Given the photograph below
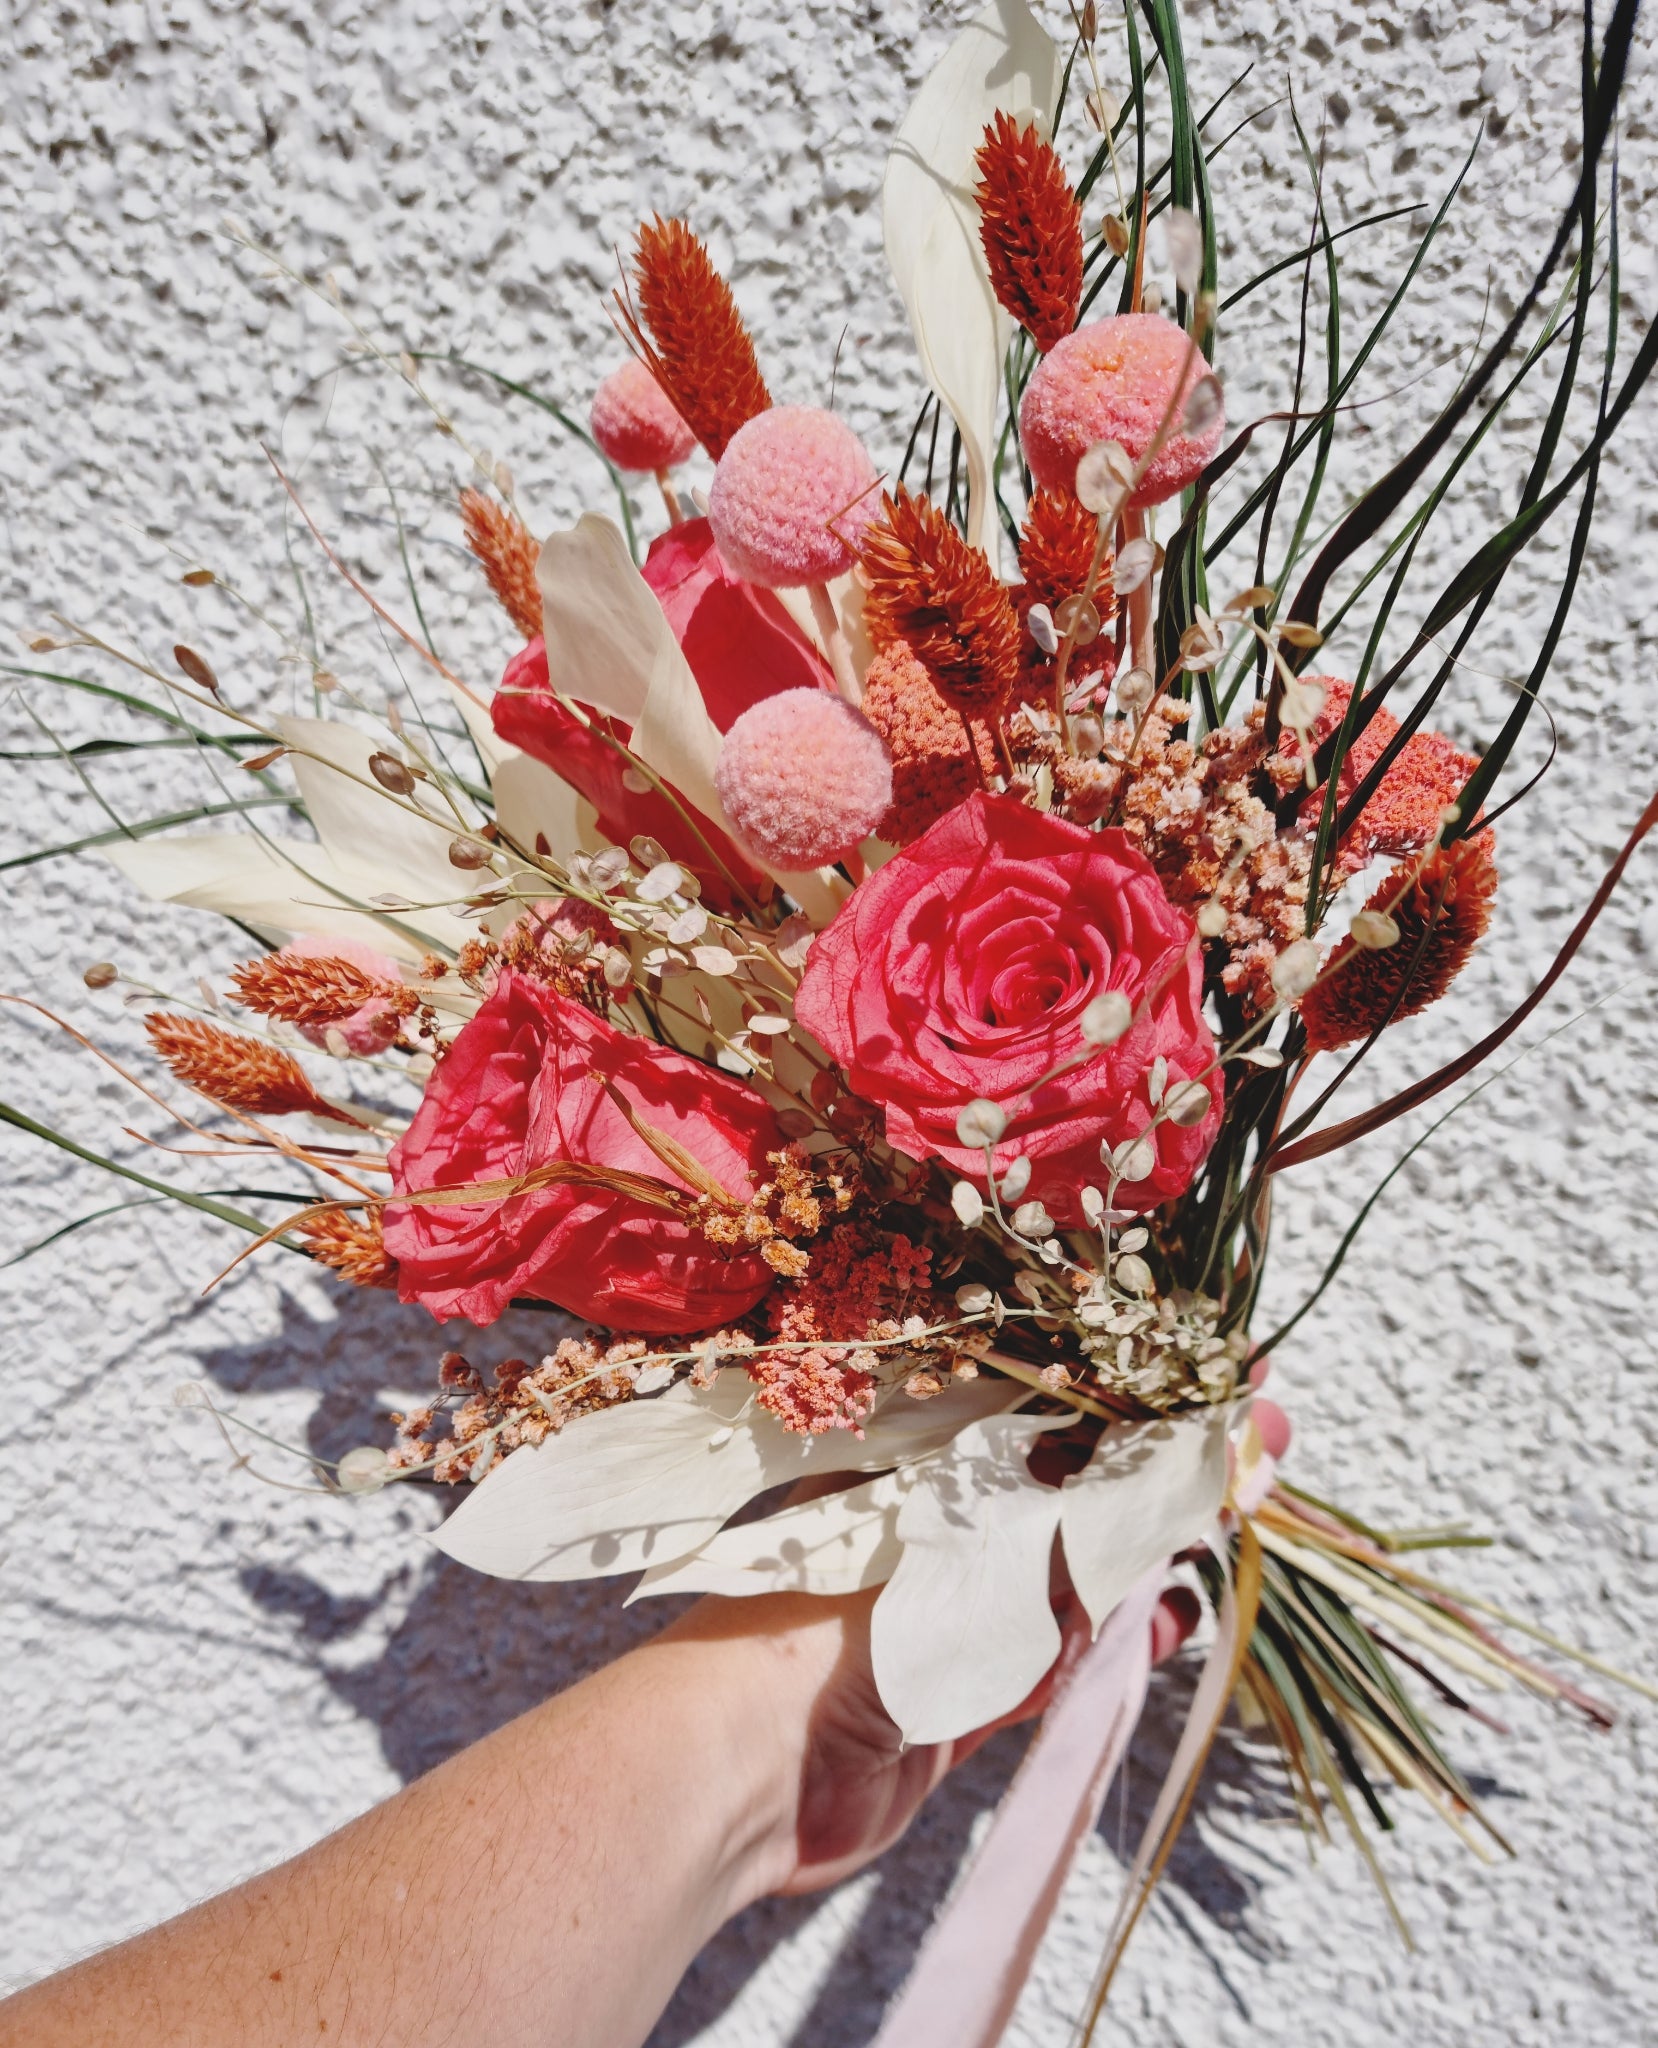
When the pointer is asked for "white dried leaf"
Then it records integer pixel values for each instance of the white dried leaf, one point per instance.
(839, 1543)
(1295, 970)
(980, 1123)
(1040, 623)
(973, 1300)
(1205, 404)
(1105, 473)
(1149, 1490)
(1002, 61)
(965, 1627)
(663, 881)
(968, 1204)
(1106, 1018)
(1374, 930)
(1015, 1181)
(1132, 1274)
(1031, 1219)
(1187, 1103)
(769, 1027)
(715, 960)
(1134, 1159)
(1158, 1081)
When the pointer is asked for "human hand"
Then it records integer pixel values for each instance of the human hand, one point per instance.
(844, 1785)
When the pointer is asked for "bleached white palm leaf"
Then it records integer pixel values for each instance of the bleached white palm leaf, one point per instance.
(1149, 1490)
(964, 1627)
(838, 1543)
(1003, 61)
(650, 1481)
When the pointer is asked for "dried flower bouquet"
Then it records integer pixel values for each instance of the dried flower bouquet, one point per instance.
(873, 992)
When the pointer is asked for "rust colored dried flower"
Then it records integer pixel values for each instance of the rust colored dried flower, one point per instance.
(509, 552)
(1442, 915)
(350, 1246)
(323, 990)
(700, 351)
(241, 1073)
(1056, 550)
(932, 770)
(929, 588)
(1031, 227)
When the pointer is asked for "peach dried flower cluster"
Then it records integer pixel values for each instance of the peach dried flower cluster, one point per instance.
(795, 1204)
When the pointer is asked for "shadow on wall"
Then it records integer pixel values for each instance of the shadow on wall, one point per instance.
(471, 1652)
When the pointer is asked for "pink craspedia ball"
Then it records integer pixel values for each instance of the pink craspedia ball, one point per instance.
(634, 421)
(792, 495)
(803, 777)
(1111, 381)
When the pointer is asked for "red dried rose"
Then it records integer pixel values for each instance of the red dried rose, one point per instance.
(962, 970)
(739, 639)
(536, 1081)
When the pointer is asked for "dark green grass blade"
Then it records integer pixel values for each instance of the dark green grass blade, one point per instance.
(144, 827)
(1384, 498)
(205, 1203)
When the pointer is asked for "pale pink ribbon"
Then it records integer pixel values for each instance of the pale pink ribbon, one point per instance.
(974, 1963)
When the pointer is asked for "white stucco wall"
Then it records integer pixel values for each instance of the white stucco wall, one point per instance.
(201, 1674)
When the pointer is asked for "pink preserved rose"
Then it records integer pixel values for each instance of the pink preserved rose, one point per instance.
(962, 969)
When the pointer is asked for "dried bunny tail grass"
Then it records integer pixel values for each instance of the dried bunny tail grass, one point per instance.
(1442, 906)
(508, 552)
(699, 351)
(240, 1073)
(1056, 551)
(350, 1246)
(325, 990)
(927, 587)
(1031, 228)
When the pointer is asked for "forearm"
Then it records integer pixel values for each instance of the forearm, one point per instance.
(547, 1886)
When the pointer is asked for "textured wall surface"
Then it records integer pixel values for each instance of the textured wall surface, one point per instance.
(201, 1673)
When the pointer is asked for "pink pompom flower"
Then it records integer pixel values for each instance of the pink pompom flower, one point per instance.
(1112, 381)
(634, 421)
(791, 497)
(803, 777)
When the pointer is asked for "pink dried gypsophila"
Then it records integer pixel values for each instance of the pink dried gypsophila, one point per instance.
(1198, 814)
(635, 424)
(813, 1392)
(791, 497)
(803, 778)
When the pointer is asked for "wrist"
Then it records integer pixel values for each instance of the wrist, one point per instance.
(758, 1666)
